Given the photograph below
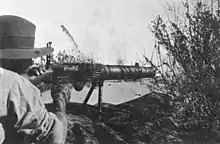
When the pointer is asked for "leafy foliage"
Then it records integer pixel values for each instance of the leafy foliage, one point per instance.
(68, 57)
(64, 56)
(187, 45)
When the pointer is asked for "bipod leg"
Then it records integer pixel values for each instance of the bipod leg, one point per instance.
(89, 93)
(100, 85)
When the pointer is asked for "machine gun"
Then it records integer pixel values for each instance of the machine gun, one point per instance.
(82, 73)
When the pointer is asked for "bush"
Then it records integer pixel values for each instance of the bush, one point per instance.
(187, 45)
(64, 56)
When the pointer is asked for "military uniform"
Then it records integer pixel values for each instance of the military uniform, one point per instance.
(23, 115)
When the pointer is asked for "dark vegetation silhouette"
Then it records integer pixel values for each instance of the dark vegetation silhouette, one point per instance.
(187, 45)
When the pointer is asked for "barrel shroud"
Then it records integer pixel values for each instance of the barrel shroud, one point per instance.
(119, 72)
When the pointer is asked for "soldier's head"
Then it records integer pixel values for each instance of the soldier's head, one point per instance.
(17, 38)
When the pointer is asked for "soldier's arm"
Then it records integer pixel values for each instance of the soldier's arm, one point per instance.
(27, 115)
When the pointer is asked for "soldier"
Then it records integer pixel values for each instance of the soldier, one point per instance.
(22, 113)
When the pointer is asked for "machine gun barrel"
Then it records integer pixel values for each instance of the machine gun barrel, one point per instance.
(119, 72)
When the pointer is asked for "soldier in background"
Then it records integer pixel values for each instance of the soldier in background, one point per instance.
(22, 113)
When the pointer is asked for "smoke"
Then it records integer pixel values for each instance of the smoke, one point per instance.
(94, 33)
(90, 44)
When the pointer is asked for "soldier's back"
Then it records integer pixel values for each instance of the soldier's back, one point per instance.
(7, 79)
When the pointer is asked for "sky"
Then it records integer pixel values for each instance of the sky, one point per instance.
(107, 29)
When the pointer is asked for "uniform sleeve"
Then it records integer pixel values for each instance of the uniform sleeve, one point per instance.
(62, 88)
(27, 114)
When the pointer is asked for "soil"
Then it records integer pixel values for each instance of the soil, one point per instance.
(126, 123)
(119, 124)
(123, 123)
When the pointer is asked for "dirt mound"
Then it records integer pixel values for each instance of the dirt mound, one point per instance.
(125, 123)
(115, 127)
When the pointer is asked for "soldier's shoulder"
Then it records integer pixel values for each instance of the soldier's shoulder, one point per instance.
(8, 73)
(10, 76)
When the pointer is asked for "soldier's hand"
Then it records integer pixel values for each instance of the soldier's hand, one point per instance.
(62, 89)
(35, 71)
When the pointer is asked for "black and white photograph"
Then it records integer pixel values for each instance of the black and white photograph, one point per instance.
(110, 72)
